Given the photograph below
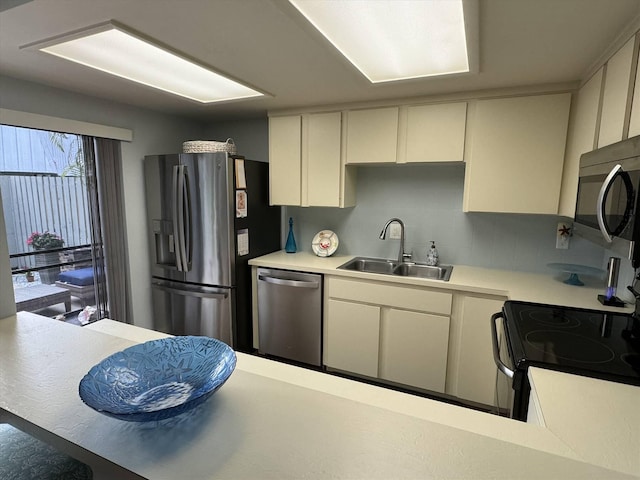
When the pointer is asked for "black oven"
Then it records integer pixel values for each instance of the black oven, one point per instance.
(593, 343)
(608, 198)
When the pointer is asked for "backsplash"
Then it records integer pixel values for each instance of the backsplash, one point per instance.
(428, 199)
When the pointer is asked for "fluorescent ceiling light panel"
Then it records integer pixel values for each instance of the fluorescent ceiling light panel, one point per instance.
(391, 40)
(113, 50)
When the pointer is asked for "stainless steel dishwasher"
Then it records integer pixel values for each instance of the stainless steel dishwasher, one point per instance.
(290, 315)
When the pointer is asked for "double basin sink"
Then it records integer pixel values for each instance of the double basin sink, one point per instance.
(392, 267)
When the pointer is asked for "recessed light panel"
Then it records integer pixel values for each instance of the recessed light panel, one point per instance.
(113, 50)
(391, 40)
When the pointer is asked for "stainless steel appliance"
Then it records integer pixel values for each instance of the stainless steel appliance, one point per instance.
(208, 214)
(591, 343)
(290, 315)
(609, 196)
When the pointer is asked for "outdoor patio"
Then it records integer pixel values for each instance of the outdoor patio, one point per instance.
(56, 310)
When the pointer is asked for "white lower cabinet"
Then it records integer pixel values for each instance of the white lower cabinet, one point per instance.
(472, 372)
(413, 348)
(352, 337)
(395, 333)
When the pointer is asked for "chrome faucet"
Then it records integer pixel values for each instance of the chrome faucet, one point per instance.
(402, 257)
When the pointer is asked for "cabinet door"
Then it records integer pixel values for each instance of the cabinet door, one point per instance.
(352, 337)
(285, 140)
(322, 177)
(435, 133)
(581, 139)
(413, 348)
(372, 135)
(477, 371)
(517, 154)
(634, 121)
(614, 99)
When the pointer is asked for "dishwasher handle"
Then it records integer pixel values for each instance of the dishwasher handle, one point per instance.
(496, 350)
(288, 283)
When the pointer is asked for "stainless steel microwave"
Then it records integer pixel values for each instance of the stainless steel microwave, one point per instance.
(609, 196)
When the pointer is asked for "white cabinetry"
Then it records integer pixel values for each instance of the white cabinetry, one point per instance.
(517, 153)
(614, 99)
(435, 133)
(285, 149)
(581, 139)
(413, 348)
(352, 337)
(305, 166)
(386, 331)
(634, 121)
(372, 135)
(472, 371)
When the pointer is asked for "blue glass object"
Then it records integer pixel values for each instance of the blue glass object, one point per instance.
(158, 379)
(290, 246)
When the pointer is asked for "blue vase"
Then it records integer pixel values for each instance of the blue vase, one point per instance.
(290, 246)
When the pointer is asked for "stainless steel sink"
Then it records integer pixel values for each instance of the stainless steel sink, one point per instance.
(391, 267)
(440, 272)
(371, 265)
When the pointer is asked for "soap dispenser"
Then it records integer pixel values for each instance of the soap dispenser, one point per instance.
(432, 255)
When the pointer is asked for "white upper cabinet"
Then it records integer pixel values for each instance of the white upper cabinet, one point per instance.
(615, 95)
(322, 160)
(581, 139)
(285, 149)
(517, 154)
(372, 135)
(634, 121)
(435, 133)
(305, 162)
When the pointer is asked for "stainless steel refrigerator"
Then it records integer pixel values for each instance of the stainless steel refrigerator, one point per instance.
(208, 214)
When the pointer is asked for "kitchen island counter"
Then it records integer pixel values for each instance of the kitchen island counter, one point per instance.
(522, 286)
(269, 420)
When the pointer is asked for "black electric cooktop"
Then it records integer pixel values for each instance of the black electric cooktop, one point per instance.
(593, 343)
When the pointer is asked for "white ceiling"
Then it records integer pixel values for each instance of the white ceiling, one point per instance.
(267, 44)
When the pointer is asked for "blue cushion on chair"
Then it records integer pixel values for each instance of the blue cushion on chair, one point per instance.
(81, 277)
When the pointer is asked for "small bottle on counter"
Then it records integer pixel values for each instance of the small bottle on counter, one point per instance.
(432, 256)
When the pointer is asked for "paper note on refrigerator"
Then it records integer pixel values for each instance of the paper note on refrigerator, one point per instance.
(241, 181)
(241, 203)
(243, 242)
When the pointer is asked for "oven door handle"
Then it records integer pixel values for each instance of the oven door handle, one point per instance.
(496, 350)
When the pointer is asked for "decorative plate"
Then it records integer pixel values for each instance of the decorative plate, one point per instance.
(158, 379)
(325, 243)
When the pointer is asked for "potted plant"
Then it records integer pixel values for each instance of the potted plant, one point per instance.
(44, 242)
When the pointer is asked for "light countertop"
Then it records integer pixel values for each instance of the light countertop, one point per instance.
(596, 418)
(270, 420)
(522, 286)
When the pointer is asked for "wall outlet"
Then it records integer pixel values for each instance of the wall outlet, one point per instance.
(395, 231)
(563, 233)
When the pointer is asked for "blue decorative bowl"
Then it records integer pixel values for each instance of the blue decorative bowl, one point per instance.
(158, 379)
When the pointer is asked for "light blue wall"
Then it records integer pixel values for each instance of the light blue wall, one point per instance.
(428, 199)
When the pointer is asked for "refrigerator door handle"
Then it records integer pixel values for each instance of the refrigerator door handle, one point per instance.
(189, 293)
(180, 193)
(176, 226)
(188, 237)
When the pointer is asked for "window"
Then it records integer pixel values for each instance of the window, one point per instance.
(54, 253)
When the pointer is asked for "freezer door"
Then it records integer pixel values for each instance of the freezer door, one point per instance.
(182, 309)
